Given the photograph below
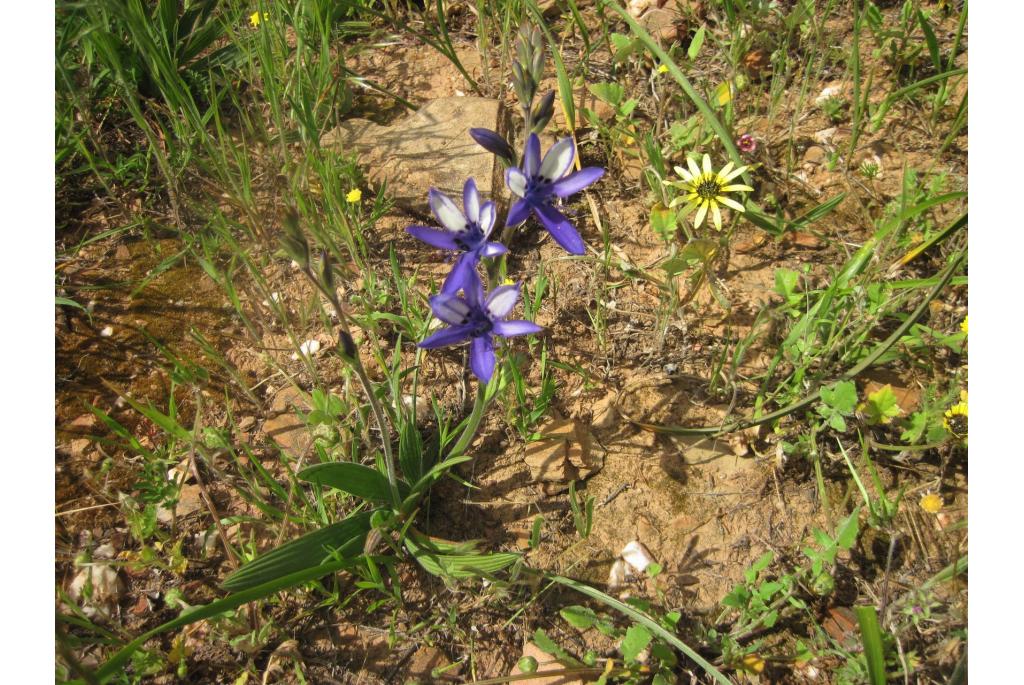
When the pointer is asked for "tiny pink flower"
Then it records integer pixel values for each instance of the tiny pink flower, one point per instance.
(746, 143)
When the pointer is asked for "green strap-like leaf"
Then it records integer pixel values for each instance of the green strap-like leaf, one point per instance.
(344, 538)
(355, 479)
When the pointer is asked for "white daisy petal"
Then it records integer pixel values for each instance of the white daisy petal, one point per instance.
(728, 202)
(725, 170)
(736, 188)
(735, 172)
(694, 169)
(716, 214)
(682, 173)
(701, 213)
(707, 164)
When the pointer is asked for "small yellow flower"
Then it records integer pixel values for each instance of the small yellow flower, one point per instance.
(354, 196)
(931, 502)
(955, 418)
(255, 18)
(704, 190)
(752, 663)
(508, 281)
(963, 325)
(663, 69)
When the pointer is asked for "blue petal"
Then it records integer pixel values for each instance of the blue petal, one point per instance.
(481, 357)
(452, 335)
(459, 275)
(471, 201)
(474, 290)
(493, 250)
(560, 229)
(531, 156)
(493, 143)
(433, 236)
(518, 213)
(574, 183)
(508, 329)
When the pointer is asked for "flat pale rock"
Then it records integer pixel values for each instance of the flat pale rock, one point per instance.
(564, 452)
(285, 427)
(429, 148)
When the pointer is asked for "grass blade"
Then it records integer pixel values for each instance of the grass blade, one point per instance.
(644, 620)
(871, 637)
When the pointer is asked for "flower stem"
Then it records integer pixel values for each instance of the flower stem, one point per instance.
(348, 353)
(473, 423)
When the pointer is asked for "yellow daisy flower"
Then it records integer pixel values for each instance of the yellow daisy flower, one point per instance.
(255, 18)
(354, 196)
(963, 325)
(931, 503)
(955, 418)
(662, 68)
(705, 188)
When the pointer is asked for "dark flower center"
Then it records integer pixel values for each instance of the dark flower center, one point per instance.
(471, 238)
(481, 323)
(958, 425)
(709, 189)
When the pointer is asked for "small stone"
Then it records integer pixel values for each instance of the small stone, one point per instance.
(107, 332)
(83, 422)
(815, 154)
(548, 461)
(285, 427)
(106, 589)
(189, 501)
(423, 663)
(825, 135)
(605, 415)
(637, 556)
(545, 662)
(666, 24)
(826, 93)
(78, 447)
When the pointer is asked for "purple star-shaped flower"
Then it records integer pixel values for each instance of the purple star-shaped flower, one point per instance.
(539, 182)
(466, 232)
(477, 318)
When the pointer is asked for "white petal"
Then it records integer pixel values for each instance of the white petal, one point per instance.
(446, 212)
(707, 164)
(452, 310)
(516, 181)
(501, 300)
(558, 160)
(682, 173)
(729, 202)
(694, 169)
(701, 213)
(735, 172)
